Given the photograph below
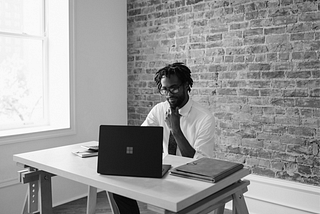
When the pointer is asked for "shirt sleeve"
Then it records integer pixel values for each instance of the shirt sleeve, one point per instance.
(204, 143)
(152, 118)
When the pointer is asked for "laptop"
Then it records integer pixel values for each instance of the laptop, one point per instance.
(131, 151)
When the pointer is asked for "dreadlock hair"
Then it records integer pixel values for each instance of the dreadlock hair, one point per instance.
(178, 69)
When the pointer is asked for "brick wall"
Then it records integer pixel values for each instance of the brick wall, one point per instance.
(256, 67)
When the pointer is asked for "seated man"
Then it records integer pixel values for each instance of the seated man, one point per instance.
(188, 128)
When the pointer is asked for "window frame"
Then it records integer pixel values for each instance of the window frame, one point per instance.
(46, 132)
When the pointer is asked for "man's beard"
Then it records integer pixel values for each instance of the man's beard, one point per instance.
(176, 102)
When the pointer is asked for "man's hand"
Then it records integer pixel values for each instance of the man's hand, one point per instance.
(173, 119)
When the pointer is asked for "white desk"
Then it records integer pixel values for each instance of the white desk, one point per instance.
(166, 195)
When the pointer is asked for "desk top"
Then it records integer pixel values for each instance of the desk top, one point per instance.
(171, 192)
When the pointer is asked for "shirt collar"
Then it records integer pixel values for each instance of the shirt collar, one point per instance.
(184, 111)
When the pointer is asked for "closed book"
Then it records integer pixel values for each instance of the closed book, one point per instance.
(193, 176)
(207, 169)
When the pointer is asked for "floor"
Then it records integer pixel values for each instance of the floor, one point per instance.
(102, 207)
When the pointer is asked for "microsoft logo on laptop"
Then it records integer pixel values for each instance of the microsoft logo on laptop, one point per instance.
(129, 150)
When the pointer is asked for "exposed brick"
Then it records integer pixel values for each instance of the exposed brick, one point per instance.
(238, 26)
(263, 171)
(275, 146)
(299, 74)
(287, 120)
(308, 102)
(270, 92)
(256, 49)
(277, 165)
(309, 65)
(310, 16)
(301, 36)
(285, 20)
(252, 143)
(255, 41)
(282, 38)
(303, 131)
(283, 102)
(295, 93)
(189, 2)
(274, 30)
(284, 56)
(283, 156)
(290, 176)
(258, 101)
(299, 27)
(255, 65)
(282, 11)
(259, 84)
(315, 92)
(259, 66)
(284, 84)
(239, 59)
(261, 22)
(215, 37)
(253, 32)
(272, 75)
(311, 122)
(248, 92)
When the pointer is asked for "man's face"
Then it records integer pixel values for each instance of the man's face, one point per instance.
(178, 99)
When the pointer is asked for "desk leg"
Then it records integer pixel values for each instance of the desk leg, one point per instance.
(25, 209)
(45, 193)
(92, 200)
(37, 180)
(31, 201)
(239, 204)
(220, 210)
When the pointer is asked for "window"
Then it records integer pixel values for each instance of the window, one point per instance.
(35, 67)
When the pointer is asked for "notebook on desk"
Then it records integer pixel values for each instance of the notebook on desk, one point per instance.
(131, 151)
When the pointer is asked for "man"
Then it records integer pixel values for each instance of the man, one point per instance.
(185, 123)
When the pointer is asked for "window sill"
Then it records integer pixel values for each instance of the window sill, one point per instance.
(40, 134)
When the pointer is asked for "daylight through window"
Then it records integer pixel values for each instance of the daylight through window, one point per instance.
(34, 66)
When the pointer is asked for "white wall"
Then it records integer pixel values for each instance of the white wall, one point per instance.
(100, 95)
(276, 196)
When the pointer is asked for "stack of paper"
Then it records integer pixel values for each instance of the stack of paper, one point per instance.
(207, 169)
(89, 150)
(85, 153)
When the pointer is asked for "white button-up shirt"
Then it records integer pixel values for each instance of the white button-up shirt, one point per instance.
(196, 122)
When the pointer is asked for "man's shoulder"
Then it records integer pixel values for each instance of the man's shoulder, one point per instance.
(201, 110)
(161, 106)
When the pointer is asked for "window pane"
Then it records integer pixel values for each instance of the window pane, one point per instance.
(21, 82)
(21, 16)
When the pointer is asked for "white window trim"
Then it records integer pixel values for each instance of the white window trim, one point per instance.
(59, 132)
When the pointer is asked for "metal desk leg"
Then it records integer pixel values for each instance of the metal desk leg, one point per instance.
(239, 204)
(45, 193)
(220, 210)
(37, 180)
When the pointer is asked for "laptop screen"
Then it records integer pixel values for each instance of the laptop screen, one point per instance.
(130, 150)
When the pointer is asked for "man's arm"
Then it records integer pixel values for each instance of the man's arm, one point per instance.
(151, 119)
(204, 137)
(173, 121)
(184, 146)
(204, 142)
